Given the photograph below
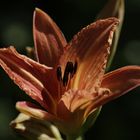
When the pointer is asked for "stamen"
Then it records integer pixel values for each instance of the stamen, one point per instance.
(59, 73)
(70, 67)
(75, 67)
(65, 78)
(68, 70)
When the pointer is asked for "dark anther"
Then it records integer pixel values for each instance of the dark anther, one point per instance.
(70, 67)
(65, 78)
(68, 70)
(75, 67)
(59, 73)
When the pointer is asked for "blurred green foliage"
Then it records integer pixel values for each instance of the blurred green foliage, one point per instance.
(119, 119)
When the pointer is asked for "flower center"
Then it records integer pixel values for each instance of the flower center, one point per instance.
(69, 72)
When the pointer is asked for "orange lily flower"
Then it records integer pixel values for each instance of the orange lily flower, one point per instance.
(68, 80)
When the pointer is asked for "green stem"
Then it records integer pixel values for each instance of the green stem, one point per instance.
(73, 137)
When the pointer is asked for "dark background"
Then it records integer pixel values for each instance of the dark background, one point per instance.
(119, 119)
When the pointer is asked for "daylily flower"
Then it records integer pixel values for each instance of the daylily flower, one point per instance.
(68, 80)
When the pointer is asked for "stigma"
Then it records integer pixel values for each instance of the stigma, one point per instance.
(69, 72)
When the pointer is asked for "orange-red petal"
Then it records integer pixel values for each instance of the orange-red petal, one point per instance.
(113, 8)
(48, 39)
(73, 99)
(29, 75)
(122, 80)
(71, 108)
(90, 48)
(118, 82)
(34, 111)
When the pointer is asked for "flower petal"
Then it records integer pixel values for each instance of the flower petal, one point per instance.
(48, 39)
(122, 80)
(114, 8)
(75, 98)
(71, 109)
(29, 75)
(119, 82)
(90, 47)
(72, 103)
(72, 120)
(34, 111)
